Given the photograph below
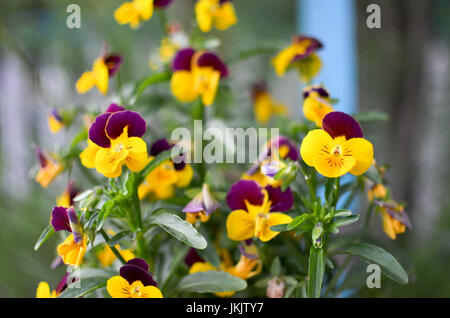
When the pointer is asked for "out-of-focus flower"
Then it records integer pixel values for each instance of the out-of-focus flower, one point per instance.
(104, 67)
(316, 103)
(376, 191)
(136, 11)
(264, 105)
(201, 207)
(301, 56)
(277, 148)
(395, 219)
(106, 256)
(196, 74)
(43, 290)
(119, 135)
(275, 288)
(253, 207)
(160, 184)
(134, 282)
(217, 13)
(66, 198)
(55, 121)
(49, 169)
(337, 148)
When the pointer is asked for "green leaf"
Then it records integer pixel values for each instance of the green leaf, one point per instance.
(371, 116)
(279, 228)
(342, 213)
(315, 272)
(178, 228)
(45, 235)
(104, 212)
(146, 82)
(86, 286)
(209, 254)
(211, 282)
(191, 193)
(275, 269)
(297, 221)
(118, 237)
(374, 254)
(345, 220)
(83, 195)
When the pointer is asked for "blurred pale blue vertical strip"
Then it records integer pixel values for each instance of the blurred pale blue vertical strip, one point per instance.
(333, 23)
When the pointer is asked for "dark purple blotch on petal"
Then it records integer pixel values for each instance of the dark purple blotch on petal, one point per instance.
(182, 60)
(97, 133)
(60, 219)
(134, 270)
(162, 3)
(55, 113)
(192, 257)
(42, 158)
(338, 124)
(212, 60)
(119, 120)
(159, 146)
(113, 63)
(244, 190)
(313, 46)
(320, 90)
(112, 108)
(62, 285)
(281, 201)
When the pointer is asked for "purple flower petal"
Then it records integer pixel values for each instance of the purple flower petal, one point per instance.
(401, 216)
(119, 120)
(182, 60)
(114, 108)
(338, 124)
(139, 262)
(270, 169)
(244, 190)
(113, 63)
(97, 133)
(248, 249)
(281, 201)
(62, 285)
(211, 59)
(159, 146)
(192, 257)
(316, 88)
(161, 3)
(55, 113)
(277, 143)
(42, 158)
(60, 219)
(204, 201)
(133, 273)
(75, 225)
(313, 46)
(195, 205)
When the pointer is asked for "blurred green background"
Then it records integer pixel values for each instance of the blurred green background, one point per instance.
(403, 70)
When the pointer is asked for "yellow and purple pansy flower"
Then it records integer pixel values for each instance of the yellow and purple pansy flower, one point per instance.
(264, 105)
(134, 281)
(256, 210)
(316, 103)
(300, 55)
(66, 198)
(395, 220)
(215, 13)
(49, 168)
(160, 184)
(118, 133)
(103, 69)
(43, 290)
(55, 121)
(201, 206)
(136, 11)
(269, 163)
(337, 148)
(74, 247)
(196, 74)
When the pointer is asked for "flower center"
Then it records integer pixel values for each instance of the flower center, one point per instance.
(337, 151)
(261, 224)
(119, 147)
(136, 291)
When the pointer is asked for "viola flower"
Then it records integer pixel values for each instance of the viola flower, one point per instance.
(136, 11)
(217, 13)
(119, 135)
(107, 257)
(301, 56)
(277, 148)
(395, 219)
(55, 121)
(264, 105)
(49, 169)
(316, 104)
(196, 74)
(66, 198)
(201, 207)
(72, 250)
(160, 184)
(103, 69)
(134, 282)
(253, 210)
(337, 148)
(377, 191)
(43, 290)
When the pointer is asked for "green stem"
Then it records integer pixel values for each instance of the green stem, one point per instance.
(115, 251)
(338, 274)
(309, 182)
(336, 186)
(199, 114)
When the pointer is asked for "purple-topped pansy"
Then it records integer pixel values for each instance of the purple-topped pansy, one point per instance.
(311, 44)
(253, 193)
(66, 219)
(162, 145)
(136, 269)
(395, 211)
(109, 126)
(113, 107)
(338, 124)
(184, 59)
(315, 88)
(204, 202)
(162, 3)
(113, 63)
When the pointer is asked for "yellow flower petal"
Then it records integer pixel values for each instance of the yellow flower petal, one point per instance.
(100, 73)
(88, 155)
(184, 176)
(109, 162)
(317, 141)
(43, 290)
(201, 267)
(182, 86)
(118, 287)
(362, 151)
(204, 14)
(240, 225)
(333, 166)
(150, 292)
(85, 82)
(225, 16)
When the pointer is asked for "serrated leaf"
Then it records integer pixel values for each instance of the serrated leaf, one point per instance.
(178, 228)
(211, 282)
(374, 254)
(45, 235)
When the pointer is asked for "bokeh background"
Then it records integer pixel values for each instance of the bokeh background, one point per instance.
(401, 69)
